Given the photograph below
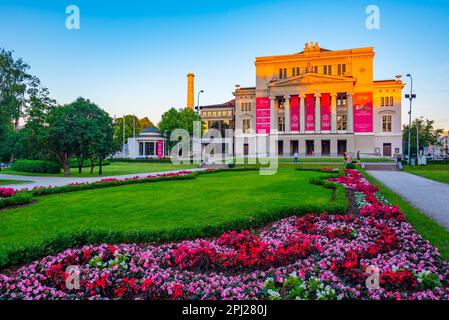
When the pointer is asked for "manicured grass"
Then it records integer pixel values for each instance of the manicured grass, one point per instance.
(428, 228)
(209, 200)
(438, 172)
(5, 182)
(115, 168)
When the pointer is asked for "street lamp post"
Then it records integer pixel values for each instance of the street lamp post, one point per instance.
(410, 96)
(198, 101)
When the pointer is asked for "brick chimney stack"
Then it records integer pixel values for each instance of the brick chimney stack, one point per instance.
(190, 91)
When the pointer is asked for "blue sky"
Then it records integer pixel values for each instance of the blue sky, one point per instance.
(133, 56)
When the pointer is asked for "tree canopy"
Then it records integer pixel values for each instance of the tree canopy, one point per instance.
(428, 135)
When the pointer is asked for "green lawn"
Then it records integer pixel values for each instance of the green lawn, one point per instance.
(213, 199)
(428, 228)
(115, 168)
(438, 172)
(5, 182)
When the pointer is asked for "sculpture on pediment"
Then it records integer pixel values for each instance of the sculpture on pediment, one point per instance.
(311, 47)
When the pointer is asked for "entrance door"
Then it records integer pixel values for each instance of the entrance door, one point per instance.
(325, 147)
(245, 149)
(280, 147)
(341, 147)
(310, 147)
(294, 146)
(387, 149)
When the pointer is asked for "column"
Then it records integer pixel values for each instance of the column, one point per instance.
(273, 114)
(317, 112)
(333, 112)
(287, 114)
(302, 113)
(350, 124)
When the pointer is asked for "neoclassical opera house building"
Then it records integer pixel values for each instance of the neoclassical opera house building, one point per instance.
(321, 103)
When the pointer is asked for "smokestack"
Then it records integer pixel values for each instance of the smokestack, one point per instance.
(190, 90)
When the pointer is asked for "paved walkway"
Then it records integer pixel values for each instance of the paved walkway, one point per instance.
(430, 196)
(62, 181)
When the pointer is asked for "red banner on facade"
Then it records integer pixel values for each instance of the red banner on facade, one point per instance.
(160, 148)
(310, 112)
(363, 112)
(263, 115)
(294, 113)
(325, 111)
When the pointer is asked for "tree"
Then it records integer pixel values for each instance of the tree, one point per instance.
(60, 135)
(131, 122)
(145, 123)
(178, 119)
(427, 134)
(18, 92)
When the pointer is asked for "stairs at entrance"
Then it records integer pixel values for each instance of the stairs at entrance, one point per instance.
(387, 166)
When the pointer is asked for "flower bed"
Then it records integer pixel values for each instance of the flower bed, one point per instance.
(316, 256)
(7, 192)
(113, 182)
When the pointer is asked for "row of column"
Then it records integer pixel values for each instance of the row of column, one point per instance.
(302, 113)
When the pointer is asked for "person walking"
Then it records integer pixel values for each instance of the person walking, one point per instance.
(295, 157)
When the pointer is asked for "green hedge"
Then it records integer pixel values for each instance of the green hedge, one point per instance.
(36, 166)
(20, 198)
(73, 163)
(98, 185)
(146, 160)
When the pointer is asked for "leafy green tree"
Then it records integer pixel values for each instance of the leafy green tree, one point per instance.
(428, 135)
(178, 119)
(130, 122)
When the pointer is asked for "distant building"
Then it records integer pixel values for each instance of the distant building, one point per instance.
(148, 144)
(321, 103)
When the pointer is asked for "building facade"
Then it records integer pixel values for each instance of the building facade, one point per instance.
(148, 144)
(321, 103)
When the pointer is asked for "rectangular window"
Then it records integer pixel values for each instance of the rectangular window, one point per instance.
(325, 70)
(391, 101)
(285, 73)
(246, 125)
(280, 73)
(281, 124)
(293, 72)
(329, 70)
(386, 123)
(339, 69)
(344, 69)
(140, 148)
(342, 121)
(382, 101)
(298, 71)
(316, 69)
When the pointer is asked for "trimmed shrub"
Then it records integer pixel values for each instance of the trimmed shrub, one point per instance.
(19, 199)
(350, 166)
(36, 166)
(144, 160)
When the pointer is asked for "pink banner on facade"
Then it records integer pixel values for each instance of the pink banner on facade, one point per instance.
(363, 112)
(160, 148)
(294, 113)
(263, 115)
(310, 112)
(325, 111)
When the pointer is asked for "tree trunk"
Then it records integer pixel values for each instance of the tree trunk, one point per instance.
(65, 164)
(100, 172)
(80, 164)
(92, 165)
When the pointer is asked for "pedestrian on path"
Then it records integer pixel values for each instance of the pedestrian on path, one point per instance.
(295, 157)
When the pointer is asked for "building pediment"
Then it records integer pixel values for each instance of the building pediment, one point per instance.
(311, 78)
